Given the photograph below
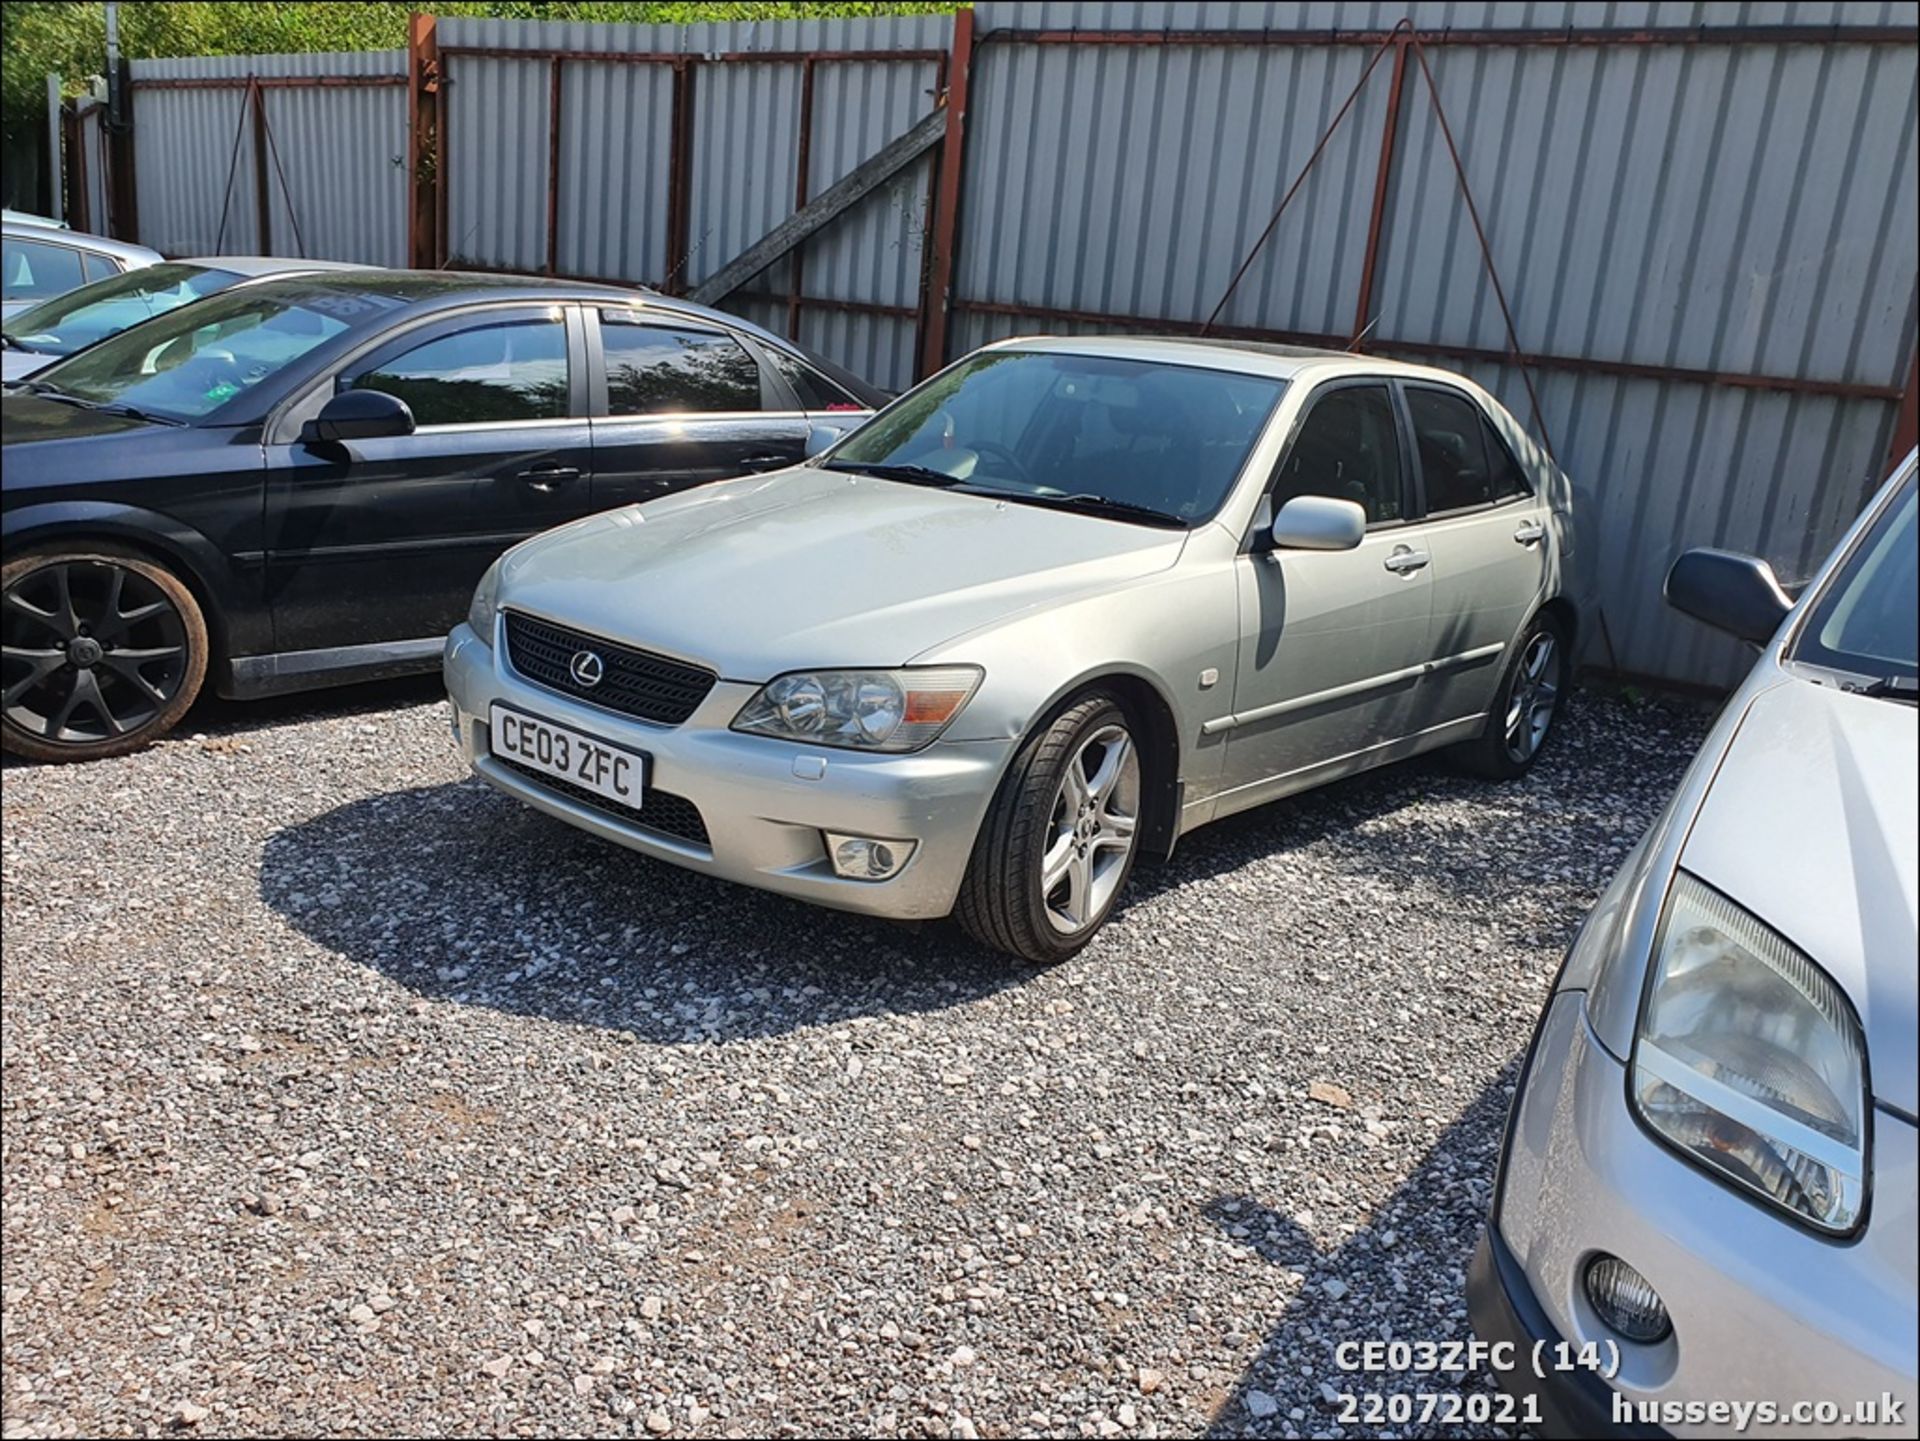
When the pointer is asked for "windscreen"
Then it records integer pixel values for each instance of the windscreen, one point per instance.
(1166, 439)
(1867, 620)
(93, 312)
(190, 362)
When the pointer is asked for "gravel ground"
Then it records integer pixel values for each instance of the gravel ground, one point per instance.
(343, 1095)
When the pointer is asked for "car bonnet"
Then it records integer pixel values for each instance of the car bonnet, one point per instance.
(1811, 825)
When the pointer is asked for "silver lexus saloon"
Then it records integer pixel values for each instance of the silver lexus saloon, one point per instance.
(1055, 607)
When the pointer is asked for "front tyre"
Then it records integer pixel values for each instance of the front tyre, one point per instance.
(101, 653)
(1059, 840)
(1525, 707)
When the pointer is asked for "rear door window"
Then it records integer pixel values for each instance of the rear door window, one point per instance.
(814, 390)
(676, 370)
(98, 267)
(1505, 478)
(1447, 432)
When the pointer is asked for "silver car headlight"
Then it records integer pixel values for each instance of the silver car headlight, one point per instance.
(1751, 1062)
(486, 598)
(868, 710)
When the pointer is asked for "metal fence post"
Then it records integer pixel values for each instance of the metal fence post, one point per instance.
(937, 284)
(425, 153)
(56, 194)
(262, 196)
(1389, 138)
(1906, 424)
(680, 178)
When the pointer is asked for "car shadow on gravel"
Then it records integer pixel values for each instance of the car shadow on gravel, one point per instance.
(1401, 1276)
(460, 893)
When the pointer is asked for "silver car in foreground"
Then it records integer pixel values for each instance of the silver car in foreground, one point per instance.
(1708, 1186)
(1058, 605)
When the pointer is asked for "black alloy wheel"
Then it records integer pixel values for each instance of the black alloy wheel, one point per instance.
(99, 654)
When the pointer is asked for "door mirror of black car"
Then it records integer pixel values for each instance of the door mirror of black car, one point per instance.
(1738, 594)
(358, 415)
(1319, 522)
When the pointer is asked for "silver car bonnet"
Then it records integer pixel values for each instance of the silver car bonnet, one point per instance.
(1811, 825)
(807, 567)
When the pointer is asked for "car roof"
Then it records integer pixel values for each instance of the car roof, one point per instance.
(1248, 357)
(135, 255)
(265, 264)
(445, 289)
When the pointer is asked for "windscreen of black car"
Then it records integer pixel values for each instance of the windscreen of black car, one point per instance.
(1867, 621)
(191, 361)
(80, 317)
(1169, 438)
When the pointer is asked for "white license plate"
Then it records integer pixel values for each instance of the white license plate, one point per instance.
(560, 751)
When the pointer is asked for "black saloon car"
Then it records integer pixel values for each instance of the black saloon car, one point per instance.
(299, 482)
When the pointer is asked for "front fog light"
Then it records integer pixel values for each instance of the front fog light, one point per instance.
(1625, 1301)
(863, 858)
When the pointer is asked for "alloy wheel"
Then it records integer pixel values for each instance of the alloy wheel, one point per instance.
(89, 651)
(1090, 832)
(1535, 694)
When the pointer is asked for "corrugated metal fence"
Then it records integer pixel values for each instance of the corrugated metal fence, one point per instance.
(1703, 215)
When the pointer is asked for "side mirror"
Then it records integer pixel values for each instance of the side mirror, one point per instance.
(358, 415)
(1319, 522)
(819, 437)
(1738, 594)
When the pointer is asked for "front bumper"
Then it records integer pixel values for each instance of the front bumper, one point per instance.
(1763, 1310)
(761, 803)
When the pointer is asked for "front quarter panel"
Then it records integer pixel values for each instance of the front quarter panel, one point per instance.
(190, 495)
(1176, 630)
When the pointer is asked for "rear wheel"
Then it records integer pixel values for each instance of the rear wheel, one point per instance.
(1059, 840)
(1525, 707)
(101, 653)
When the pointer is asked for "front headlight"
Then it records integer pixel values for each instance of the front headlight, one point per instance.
(486, 597)
(868, 710)
(1750, 1061)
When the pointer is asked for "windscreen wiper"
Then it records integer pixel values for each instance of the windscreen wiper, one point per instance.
(1092, 504)
(912, 474)
(133, 412)
(54, 392)
(1894, 687)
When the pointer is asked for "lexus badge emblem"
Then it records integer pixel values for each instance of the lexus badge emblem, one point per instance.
(586, 668)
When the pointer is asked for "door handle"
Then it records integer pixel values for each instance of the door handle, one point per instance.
(546, 477)
(758, 463)
(1404, 561)
(1530, 532)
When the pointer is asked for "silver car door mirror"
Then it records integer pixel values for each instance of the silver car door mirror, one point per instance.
(1319, 522)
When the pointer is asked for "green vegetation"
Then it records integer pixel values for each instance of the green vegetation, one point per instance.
(70, 36)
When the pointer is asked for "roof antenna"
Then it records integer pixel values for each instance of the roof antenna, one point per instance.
(1353, 346)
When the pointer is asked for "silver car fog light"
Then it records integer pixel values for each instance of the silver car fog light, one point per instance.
(1625, 1300)
(866, 858)
(1750, 1062)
